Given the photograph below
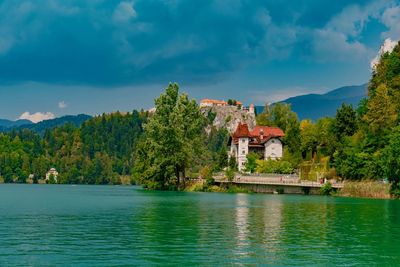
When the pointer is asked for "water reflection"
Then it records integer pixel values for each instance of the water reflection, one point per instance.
(272, 224)
(109, 226)
(242, 223)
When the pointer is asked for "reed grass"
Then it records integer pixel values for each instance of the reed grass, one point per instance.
(365, 189)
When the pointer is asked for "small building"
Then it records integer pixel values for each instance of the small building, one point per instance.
(51, 173)
(212, 103)
(262, 140)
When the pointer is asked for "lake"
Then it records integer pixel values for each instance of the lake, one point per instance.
(47, 225)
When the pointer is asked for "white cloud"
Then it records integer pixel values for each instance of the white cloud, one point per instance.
(124, 12)
(387, 46)
(391, 19)
(350, 21)
(36, 117)
(331, 45)
(62, 105)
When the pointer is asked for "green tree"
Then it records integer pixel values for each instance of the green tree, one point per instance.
(174, 136)
(222, 161)
(345, 121)
(391, 160)
(279, 115)
(251, 162)
(232, 163)
(265, 118)
(309, 138)
(381, 114)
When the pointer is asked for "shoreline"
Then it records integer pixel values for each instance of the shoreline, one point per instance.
(351, 189)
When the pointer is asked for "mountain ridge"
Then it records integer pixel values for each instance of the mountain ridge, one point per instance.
(314, 106)
(42, 126)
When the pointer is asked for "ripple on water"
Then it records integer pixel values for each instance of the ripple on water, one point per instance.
(106, 225)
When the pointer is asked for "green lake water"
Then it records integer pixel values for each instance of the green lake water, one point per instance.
(64, 225)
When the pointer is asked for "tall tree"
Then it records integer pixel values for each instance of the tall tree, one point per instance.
(173, 138)
(279, 115)
(345, 121)
(381, 114)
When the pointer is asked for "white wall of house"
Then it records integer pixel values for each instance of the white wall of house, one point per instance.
(273, 149)
(243, 150)
(206, 104)
(233, 150)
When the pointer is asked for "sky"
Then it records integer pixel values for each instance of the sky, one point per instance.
(70, 57)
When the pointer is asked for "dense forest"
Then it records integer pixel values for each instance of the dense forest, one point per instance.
(98, 152)
(101, 151)
(164, 148)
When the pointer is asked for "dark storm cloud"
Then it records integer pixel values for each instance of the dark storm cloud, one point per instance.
(109, 43)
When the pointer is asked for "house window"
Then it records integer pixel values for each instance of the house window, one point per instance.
(272, 141)
(243, 140)
(243, 163)
(243, 152)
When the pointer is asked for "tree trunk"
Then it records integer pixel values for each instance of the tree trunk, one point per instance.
(184, 176)
(177, 175)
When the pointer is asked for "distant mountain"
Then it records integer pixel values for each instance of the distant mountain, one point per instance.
(42, 126)
(315, 106)
(9, 123)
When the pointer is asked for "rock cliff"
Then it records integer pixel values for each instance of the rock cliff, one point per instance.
(228, 117)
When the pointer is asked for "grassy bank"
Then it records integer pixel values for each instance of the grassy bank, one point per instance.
(365, 189)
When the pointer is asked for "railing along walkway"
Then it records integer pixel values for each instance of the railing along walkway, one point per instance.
(289, 180)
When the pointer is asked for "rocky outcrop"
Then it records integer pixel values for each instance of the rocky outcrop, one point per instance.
(228, 117)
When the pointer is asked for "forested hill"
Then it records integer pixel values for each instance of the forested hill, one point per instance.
(100, 151)
(42, 126)
(8, 123)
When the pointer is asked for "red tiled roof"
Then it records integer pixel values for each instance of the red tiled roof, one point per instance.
(242, 130)
(255, 135)
(267, 131)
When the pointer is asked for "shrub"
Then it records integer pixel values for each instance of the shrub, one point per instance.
(274, 166)
(326, 189)
(251, 162)
(206, 173)
(395, 190)
(230, 174)
(210, 181)
(232, 164)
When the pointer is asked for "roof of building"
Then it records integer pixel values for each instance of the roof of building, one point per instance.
(213, 101)
(259, 135)
(265, 131)
(242, 130)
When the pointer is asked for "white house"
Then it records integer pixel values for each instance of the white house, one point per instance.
(263, 140)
